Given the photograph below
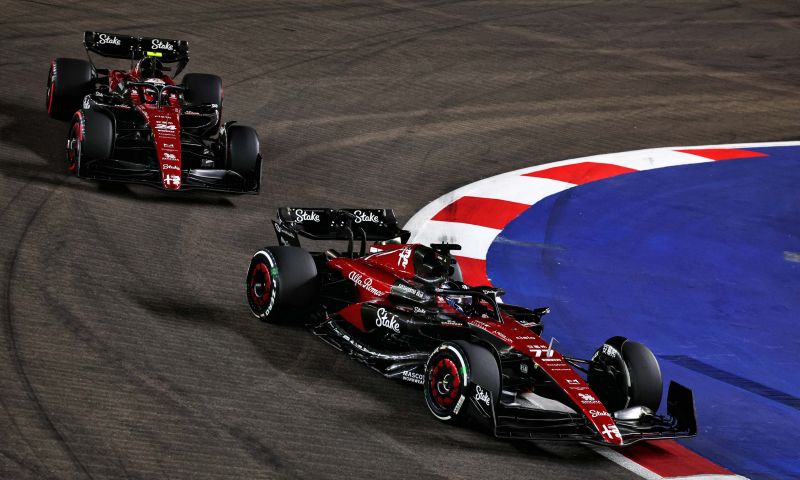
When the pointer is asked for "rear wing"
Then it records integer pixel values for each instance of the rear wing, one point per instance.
(362, 224)
(114, 45)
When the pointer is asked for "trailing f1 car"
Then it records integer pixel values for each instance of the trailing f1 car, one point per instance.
(403, 310)
(139, 125)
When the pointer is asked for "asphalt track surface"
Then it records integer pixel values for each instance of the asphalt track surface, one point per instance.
(126, 345)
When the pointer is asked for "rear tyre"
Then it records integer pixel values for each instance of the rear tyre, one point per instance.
(68, 81)
(282, 283)
(202, 89)
(90, 137)
(625, 374)
(243, 150)
(450, 373)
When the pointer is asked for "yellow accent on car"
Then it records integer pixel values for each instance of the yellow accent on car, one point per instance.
(154, 54)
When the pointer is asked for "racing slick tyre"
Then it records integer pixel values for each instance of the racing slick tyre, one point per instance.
(281, 283)
(243, 152)
(451, 372)
(202, 89)
(626, 374)
(90, 137)
(68, 82)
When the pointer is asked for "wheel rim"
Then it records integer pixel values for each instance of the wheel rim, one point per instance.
(74, 147)
(260, 284)
(445, 384)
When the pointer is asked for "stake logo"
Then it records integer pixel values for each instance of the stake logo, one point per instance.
(304, 216)
(482, 395)
(159, 45)
(385, 319)
(365, 217)
(105, 39)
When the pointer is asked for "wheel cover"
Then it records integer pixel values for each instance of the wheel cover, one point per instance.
(260, 284)
(445, 383)
(74, 147)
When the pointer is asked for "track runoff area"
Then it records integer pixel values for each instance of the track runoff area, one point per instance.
(694, 251)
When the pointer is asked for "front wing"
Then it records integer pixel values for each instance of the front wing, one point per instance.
(528, 424)
(218, 180)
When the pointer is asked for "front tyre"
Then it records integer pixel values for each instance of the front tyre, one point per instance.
(454, 371)
(90, 137)
(243, 152)
(625, 374)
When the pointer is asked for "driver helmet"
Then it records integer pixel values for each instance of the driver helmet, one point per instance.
(150, 68)
(457, 301)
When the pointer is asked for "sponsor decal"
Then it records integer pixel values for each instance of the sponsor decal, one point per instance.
(458, 405)
(599, 413)
(579, 388)
(588, 398)
(482, 395)
(365, 283)
(413, 377)
(172, 180)
(411, 291)
(104, 39)
(168, 145)
(385, 319)
(168, 157)
(169, 166)
(526, 337)
(451, 323)
(86, 103)
(166, 127)
(303, 216)
(420, 310)
(540, 352)
(523, 368)
(365, 217)
(611, 431)
(572, 381)
(609, 350)
(403, 256)
(157, 44)
(479, 324)
(502, 336)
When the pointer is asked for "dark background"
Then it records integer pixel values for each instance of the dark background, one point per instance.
(126, 345)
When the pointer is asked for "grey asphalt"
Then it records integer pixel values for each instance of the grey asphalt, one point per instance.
(126, 346)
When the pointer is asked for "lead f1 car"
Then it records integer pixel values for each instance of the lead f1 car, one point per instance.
(139, 125)
(403, 310)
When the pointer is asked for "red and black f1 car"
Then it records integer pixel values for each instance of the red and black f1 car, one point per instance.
(139, 125)
(401, 309)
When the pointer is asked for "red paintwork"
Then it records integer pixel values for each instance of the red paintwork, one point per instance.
(395, 258)
(352, 313)
(163, 121)
(374, 276)
(372, 283)
(166, 127)
(527, 342)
